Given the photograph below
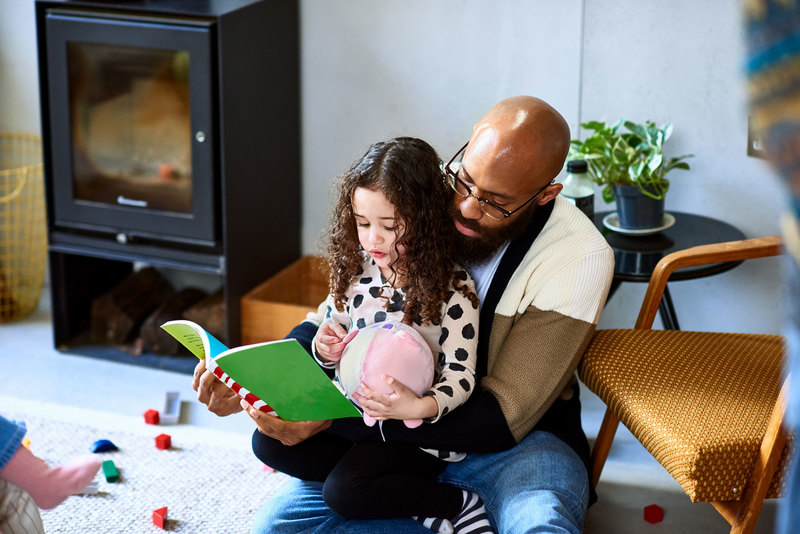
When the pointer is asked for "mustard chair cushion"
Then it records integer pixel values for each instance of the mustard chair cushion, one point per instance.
(699, 402)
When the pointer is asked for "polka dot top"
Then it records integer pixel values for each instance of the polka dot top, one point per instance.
(454, 342)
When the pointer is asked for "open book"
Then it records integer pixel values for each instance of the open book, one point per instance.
(280, 373)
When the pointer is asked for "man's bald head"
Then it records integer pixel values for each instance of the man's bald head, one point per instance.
(521, 138)
(514, 153)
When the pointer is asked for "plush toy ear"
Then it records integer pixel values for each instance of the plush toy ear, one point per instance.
(369, 420)
(412, 423)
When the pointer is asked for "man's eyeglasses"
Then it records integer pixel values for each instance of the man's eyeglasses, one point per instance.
(489, 208)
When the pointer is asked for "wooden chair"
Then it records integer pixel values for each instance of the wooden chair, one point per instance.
(708, 406)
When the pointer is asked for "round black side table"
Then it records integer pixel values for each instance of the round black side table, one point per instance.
(636, 256)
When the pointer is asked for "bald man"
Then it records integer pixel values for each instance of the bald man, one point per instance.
(542, 272)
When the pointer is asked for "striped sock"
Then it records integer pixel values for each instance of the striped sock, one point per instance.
(436, 524)
(472, 519)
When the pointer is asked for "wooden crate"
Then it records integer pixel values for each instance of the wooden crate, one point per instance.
(273, 308)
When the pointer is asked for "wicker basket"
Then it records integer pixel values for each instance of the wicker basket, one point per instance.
(23, 241)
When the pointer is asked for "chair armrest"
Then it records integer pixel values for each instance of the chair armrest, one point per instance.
(760, 247)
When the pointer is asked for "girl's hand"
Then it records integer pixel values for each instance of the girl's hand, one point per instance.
(402, 403)
(329, 344)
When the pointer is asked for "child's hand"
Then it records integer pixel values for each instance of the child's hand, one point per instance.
(401, 404)
(329, 345)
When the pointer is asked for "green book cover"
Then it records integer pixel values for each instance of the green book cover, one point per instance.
(279, 373)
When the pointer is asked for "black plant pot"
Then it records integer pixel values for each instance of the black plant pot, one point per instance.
(637, 211)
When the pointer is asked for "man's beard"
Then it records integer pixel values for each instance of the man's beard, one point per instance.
(476, 250)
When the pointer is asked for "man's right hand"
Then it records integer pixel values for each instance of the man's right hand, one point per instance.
(218, 397)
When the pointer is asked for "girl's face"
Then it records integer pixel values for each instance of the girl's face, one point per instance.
(378, 229)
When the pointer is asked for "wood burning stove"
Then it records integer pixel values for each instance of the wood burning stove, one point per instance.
(171, 139)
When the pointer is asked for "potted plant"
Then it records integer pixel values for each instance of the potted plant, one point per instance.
(627, 158)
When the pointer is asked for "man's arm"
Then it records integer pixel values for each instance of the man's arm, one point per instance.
(476, 426)
(521, 386)
(533, 354)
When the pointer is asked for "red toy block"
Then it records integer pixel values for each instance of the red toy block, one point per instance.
(163, 441)
(160, 517)
(151, 417)
(653, 513)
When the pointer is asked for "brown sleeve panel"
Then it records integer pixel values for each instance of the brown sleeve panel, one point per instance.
(532, 358)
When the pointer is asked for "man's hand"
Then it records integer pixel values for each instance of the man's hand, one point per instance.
(287, 432)
(218, 397)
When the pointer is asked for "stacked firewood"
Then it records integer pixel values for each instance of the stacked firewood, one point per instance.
(130, 315)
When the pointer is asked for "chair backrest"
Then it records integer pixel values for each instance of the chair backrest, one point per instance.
(701, 255)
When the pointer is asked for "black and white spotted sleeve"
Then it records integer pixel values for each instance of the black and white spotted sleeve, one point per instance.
(459, 346)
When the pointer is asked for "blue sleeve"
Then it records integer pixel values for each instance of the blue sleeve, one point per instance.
(11, 434)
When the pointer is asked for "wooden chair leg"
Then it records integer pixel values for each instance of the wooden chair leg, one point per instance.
(605, 437)
(764, 469)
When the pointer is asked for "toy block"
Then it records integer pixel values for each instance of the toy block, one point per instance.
(172, 408)
(26, 443)
(653, 513)
(104, 445)
(160, 517)
(110, 471)
(268, 469)
(90, 489)
(151, 417)
(163, 441)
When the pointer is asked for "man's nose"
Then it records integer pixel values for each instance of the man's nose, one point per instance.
(470, 208)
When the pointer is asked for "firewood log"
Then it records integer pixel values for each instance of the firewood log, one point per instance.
(154, 338)
(117, 315)
(210, 314)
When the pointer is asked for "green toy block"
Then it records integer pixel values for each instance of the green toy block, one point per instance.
(110, 471)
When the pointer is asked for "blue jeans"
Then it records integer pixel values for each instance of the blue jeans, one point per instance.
(538, 486)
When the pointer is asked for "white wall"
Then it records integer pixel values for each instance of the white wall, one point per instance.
(373, 70)
(19, 78)
(681, 62)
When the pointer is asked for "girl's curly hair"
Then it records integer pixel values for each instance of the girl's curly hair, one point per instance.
(408, 172)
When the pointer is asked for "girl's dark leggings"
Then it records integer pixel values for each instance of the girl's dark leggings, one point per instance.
(366, 479)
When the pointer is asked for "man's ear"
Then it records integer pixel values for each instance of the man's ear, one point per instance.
(549, 193)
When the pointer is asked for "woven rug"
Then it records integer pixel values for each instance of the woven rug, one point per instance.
(209, 480)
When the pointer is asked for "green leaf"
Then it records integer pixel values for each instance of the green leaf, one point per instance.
(593, 125)
(667, 129)
(655, 161)
(638, 129)
(635, 170)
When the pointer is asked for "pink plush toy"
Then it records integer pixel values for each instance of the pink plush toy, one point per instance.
(390, 348)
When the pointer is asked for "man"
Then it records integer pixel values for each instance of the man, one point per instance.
(543, 273)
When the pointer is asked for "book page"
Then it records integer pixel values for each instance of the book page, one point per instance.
(195, 338)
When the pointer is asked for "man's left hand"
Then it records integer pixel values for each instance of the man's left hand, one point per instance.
(287, 432)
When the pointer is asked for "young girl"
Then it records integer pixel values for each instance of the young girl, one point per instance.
(389, 257)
